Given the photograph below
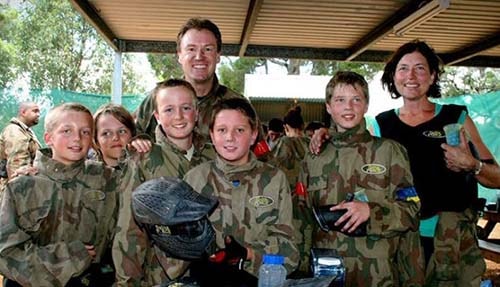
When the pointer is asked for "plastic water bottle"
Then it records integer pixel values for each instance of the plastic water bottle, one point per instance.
(272, 273)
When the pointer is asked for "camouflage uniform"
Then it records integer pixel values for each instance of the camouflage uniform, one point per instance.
(47, 218)
(137, 262)
(18, 145)
(146, 122)
(288, 154)
(254, 207)
(374, 169)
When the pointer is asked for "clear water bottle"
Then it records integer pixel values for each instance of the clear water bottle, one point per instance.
(272, 273)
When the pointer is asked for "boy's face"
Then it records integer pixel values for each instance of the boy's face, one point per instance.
(176, 112)
(112, 136)
(232, 136)
(71, 137)
(347, 106)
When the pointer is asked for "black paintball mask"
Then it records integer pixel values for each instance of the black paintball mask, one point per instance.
(175, 217)
(326, 220)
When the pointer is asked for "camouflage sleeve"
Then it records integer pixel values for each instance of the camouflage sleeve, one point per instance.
(129, 243)
(23, 259)
(280, 236)
(17, 146)
(410, 260)
(144, 119)
(399, 211)
(303, 220)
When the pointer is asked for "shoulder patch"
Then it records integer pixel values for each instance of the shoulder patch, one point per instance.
(407, 194)
(261, 201)
(434, 134)
(373, 168)
(94, 195)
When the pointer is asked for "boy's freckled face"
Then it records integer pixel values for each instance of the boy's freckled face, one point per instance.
(176, 112)
(347, 106)
(232, 136)
(71, 138)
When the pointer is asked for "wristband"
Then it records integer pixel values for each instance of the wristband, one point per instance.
(478, 168)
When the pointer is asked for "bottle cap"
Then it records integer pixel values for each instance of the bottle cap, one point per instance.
(273, 259)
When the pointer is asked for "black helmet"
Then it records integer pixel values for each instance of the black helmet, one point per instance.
(175, 217)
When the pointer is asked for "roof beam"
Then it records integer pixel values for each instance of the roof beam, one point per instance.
(382, 29)
(91, 14)
(472, 50)
(250, 20)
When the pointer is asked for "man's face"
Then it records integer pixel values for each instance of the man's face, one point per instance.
(198, 56)
(31, 115)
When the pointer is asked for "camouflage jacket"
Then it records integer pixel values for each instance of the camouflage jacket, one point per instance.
(146, 122)
(18, 146)
(375, 170)
(288, 155)
(254, 207)
(47, 218)
(137, 262)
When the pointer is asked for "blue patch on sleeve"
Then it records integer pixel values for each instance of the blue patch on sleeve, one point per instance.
(407, 194)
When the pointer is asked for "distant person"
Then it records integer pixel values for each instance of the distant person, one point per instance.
(254, 215)
(18, 142)
(57, 224)
(275, 131)
(288, 155)
(114, 128)
(375, 174)
(312, 127)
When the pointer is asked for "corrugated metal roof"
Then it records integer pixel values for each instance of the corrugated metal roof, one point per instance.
(467, 33)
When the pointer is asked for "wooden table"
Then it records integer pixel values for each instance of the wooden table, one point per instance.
(492, 218)
(490, 247)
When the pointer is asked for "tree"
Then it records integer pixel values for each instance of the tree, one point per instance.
(165, 66)
(457, 81)
(233, 73)
(8, 18)
(58, 49)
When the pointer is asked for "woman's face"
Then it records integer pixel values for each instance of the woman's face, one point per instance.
(413, 76)
(112, 137)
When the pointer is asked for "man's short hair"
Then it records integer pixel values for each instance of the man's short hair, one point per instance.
(53, 117)
(200, 24)
(276, 125)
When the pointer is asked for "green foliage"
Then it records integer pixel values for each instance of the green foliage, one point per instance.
(165, 66)
(367, 70)
(8, 53)
(457, 81)
(233, 73)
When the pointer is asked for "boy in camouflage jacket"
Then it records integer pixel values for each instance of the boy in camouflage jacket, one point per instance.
(254, 197)
(376, 171)
(56, 225)
(177, 149)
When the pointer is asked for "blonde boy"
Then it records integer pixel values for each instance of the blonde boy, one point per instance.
(55, 225)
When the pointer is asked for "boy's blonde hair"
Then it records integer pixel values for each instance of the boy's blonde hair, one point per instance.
(53, 117)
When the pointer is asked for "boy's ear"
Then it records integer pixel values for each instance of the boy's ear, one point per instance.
(47, 137)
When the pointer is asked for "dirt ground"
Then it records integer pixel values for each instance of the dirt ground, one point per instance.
(492, 268)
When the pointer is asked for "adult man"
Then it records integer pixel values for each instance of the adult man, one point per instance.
(18, 143)
(199, 45)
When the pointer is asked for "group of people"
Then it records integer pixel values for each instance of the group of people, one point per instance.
(69, 221)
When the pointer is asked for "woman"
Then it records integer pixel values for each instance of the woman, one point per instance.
(445, 177)
(114, 127)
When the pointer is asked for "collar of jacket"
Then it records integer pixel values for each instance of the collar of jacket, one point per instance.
(350, 137)
(228, 169)
(54, 169)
